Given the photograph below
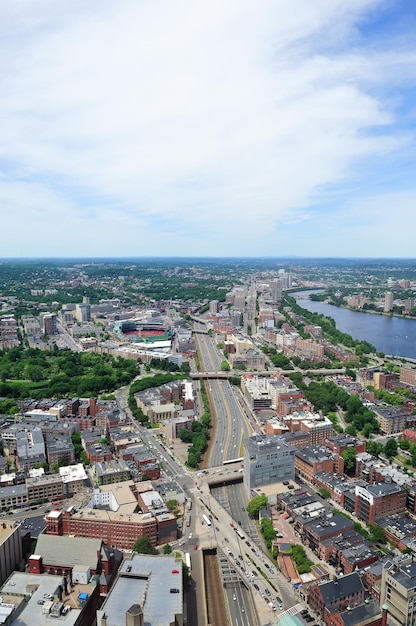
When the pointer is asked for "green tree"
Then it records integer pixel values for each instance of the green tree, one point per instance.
(143, 545)
(167, 549)
(349, 455)
(255, 505)
(377, 534)
(390, 449)
(225, 366)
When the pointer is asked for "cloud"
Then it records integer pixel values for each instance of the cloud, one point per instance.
(192, 128)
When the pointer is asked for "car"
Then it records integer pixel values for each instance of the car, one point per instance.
(247, 543)
(234, 596)
(190, 536)
(217, 529)
(226, 540)
(267, 592)
(256, 587)
(41, 601)
(286, 482)
(242, 609)
(267, 565)
(253, 573)
(195, 546)
(267, 600)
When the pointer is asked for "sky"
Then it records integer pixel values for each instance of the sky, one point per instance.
(220, 128)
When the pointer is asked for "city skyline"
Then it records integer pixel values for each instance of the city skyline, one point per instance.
(218, 130)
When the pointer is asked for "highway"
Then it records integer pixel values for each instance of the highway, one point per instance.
(232, 422)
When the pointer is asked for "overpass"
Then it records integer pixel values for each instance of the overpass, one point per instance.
(227, 374)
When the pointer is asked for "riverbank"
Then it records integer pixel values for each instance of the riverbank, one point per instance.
(390, 334)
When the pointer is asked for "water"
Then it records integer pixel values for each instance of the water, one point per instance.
(392, 335)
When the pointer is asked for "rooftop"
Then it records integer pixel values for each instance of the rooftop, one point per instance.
(145, 580)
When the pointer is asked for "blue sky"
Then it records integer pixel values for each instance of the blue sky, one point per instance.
(237, 128)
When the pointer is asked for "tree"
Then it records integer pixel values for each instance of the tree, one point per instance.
(390, 449)
(225, 366)
(377, 534)
(349, 455)
(254, 506)
(167, 549)
(324, 493)
(143, 545)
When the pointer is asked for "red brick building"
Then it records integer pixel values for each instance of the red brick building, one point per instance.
(379, 500)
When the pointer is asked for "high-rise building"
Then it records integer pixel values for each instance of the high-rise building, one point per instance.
(83, 312)
(388, 301)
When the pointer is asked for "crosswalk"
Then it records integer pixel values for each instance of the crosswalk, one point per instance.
(297, 608)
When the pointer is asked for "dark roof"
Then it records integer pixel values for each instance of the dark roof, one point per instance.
(342, 587)
(361, 613)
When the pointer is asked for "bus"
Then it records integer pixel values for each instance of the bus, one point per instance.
(206, 520)
(188, 519)
(239, 533)
(229, 461)
(188, 561)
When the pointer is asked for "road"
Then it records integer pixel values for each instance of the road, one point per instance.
(233, 422)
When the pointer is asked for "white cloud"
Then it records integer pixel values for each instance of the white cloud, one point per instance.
(177, 124)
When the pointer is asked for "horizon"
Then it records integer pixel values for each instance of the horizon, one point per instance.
(251, 130)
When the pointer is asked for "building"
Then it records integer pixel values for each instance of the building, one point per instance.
(148, 590)
(59, 449)
(339, 443)
(379, 500)
(115, 471)
(36, 600)
(408, 376)
(366, 614)
(11, 552)
(74, 478)
(77, 558)
(313, 459)
(388, 301)
(44, 488)
(336, 595)
(398, 591)
(268, 459)
(113, 516)
(392, 420)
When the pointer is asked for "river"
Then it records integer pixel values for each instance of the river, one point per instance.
(392, 335)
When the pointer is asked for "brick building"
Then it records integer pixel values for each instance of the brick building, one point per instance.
(378, 500)
(336, 595)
